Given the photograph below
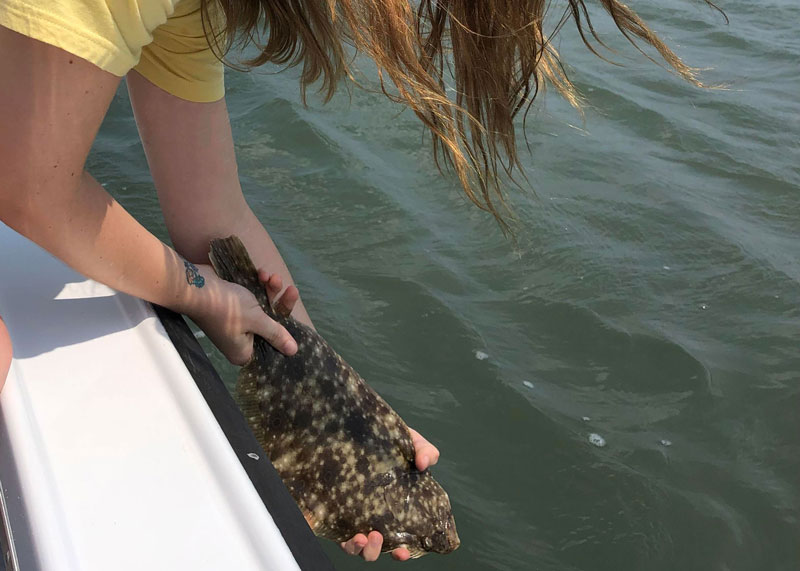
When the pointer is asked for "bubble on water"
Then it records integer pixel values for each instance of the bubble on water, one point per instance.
(528, 384)
(665, 442)
(597, 440)
(253, 455)
(666, 267)
(585, 419)
(481, 356)
(703, 306)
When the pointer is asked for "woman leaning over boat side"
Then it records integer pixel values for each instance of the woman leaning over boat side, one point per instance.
(61, 63)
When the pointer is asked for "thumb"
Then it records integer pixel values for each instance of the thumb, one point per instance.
(275, 334)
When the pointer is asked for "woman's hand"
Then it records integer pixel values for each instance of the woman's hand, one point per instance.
(283, 302)
(369, 546)
(230, 315)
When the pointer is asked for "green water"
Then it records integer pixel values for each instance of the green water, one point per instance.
(655, 291)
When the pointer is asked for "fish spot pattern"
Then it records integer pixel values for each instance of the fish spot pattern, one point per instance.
(344, 454)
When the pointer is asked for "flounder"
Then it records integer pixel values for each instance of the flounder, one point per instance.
(346, 457)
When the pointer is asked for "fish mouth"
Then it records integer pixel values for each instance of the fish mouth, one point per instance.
(447, 541)
(453, 541)
(452, 547)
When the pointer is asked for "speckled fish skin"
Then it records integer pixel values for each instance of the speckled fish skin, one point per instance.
(345, 455)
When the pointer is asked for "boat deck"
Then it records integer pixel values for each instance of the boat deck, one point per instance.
(113, 455)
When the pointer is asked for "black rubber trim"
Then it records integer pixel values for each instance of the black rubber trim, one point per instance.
(298, 536)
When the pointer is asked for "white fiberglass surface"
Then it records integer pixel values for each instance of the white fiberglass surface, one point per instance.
(118, 462)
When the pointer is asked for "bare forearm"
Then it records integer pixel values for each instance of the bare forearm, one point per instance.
(190, 151)
(91, 232)
(51, 106)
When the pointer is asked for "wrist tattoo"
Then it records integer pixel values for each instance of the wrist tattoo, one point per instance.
(193, 277)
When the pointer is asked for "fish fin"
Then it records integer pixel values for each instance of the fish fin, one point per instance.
(232, 263)
(321, 530)
(247, 399)
(406, 444)
(319, 527)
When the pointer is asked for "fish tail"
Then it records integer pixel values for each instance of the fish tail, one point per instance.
(232, 263)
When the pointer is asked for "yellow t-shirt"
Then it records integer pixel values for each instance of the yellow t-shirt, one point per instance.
(161, 39)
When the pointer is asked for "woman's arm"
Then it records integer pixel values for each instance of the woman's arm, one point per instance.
(189, 148)
(51, 106)
(190, 151)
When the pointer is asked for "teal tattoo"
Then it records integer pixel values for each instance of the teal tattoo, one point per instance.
(193, 277)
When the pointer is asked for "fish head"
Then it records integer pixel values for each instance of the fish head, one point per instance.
(423, 518)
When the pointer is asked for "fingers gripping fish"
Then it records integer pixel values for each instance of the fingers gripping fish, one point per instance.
(346, 457)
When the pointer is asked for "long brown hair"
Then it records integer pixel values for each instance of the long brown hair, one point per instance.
(495, 53)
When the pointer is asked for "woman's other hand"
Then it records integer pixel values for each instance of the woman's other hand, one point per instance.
(283, 301)
(230, 315)
(369, 546)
